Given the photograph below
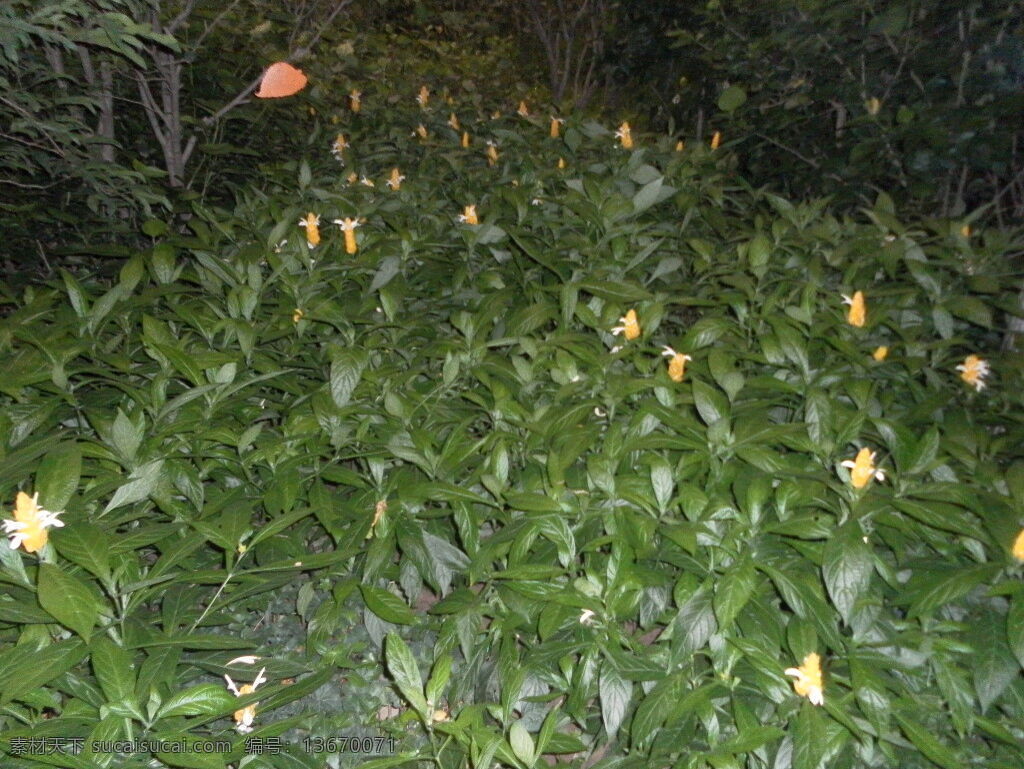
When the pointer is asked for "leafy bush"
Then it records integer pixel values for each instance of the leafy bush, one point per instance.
(432, 459)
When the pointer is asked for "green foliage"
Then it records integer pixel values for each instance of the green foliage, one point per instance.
(441, 501)
(921, 100)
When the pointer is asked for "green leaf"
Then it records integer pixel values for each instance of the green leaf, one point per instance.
(191, 755)
(521, 743)
(402, 666)
(615, 693)
(846, 568)
(647, 195)
(114, 669)
(808, 745)
(201, 700)
(143, 481)
(1015, 627)
(386, 605)
(25, 668)
(933, 590)
(67, 599)
(87, 546)
(932, 749)
(654, 709)
(346, 370)
(58, 476)
(617, 291)
(732, 99)
(711, 404)
(733, 591)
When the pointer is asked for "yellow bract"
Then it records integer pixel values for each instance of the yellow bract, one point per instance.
(862, 469)
(468, 215)
(348, 226)
(1018, 546)
(245, 716)
(29, 527)
(424, 96)
(808, 681)
(355, 100)
(716, 140)
(555, 126)
(880, 353)
(630, 327)
(312, 225)
(625, 136)
(973, 371)
(676, 363)
(492, 153)
(858, 309)
(523, 111)
(395, 180)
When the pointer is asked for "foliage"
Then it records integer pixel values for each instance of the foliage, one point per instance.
(55, 169)
(919, 99)
(441, 501)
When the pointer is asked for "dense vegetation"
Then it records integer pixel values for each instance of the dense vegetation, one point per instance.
(474, 438)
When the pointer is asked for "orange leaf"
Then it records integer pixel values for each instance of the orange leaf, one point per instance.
(281, 79)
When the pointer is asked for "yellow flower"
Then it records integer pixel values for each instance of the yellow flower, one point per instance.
(453, 122)
(676, 363)
(680, 145)
(424, 96)
(973, 371)
(858, 311)
(881, 353)
(862, 469)
(355, 100)
(555, 124)
(523, 111)
(468, 215)
(496, 114)
(1018, 546)
(630, 327)
(312, 225)
(966, 230)
(465, 139)
(396, 179)
(492, 153)
(872, 105)
(297, 315)
(353, 178)
(421, 131)
(28, 529)
(245, 716)
(348, 226)
(716, 140)
(808, 681)
(339, 146)
(561, 164)
(625, 136)
(366, 181)
(378, 512)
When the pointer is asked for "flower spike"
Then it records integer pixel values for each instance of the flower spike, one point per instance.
(312, 225)
(862, 469)
(29, 527)
(973, 371)
(676, 363)
(630, 327)
(858, 309)
(808, 681)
